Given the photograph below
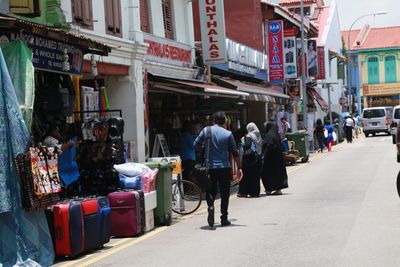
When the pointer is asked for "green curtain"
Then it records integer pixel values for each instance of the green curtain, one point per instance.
(18, 58)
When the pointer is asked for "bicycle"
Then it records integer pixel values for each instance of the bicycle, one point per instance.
(186, 195)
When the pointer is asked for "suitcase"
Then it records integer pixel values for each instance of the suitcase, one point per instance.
(105, 220)
(91, 224)
(126, 213)
(142, 212)
(68, 228)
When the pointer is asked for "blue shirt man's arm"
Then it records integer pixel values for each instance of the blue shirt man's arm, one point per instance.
(234, 151)
(199, 139)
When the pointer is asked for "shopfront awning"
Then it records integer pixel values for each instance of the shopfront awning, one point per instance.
(315, 95)
(256, 92)
(11, 23)
(192, 88)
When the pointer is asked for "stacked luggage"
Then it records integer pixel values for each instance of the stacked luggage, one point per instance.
(79, 226)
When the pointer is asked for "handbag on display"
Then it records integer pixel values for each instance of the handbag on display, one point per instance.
(30, 201)
(201, 170)
(44, 161)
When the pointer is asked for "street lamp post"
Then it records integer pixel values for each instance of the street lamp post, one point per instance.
(348, 56)
(303, 65)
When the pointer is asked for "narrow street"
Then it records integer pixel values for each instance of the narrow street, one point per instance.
(341, 209)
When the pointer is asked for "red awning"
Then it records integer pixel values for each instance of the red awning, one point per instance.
(314, 94)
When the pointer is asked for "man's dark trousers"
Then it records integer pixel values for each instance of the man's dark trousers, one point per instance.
(220, 178)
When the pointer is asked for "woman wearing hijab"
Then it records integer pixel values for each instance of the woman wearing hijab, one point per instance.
(319, 133)
(251, 163)
(273, 175)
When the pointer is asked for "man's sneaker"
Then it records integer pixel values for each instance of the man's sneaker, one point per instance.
(225, 222)
(210, 218)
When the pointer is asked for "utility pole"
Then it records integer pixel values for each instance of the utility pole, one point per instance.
(303, 66)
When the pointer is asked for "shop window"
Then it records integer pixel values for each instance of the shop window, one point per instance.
(373, 70)
(29, 8)
(144, 16)
(82, 13)
(113, 17)
(167, 16)
(390, 69)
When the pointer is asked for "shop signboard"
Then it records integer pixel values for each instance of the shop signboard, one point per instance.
(299, 56)
(213, 36)
(167, 51)
(312, 58)
(275, 49)
(383, 89)
(48, 53)
(245, 59)
(290, 57)
(321, 63)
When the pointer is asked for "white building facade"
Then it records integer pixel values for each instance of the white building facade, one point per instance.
(119, 24)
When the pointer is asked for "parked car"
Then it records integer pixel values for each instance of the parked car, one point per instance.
(377, 120)
(395, 122)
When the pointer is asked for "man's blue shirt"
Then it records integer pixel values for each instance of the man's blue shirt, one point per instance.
(222, 143)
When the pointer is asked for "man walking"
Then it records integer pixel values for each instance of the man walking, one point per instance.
(348, 128)
(221, 144)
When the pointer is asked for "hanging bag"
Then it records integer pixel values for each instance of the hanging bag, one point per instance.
(201, 170)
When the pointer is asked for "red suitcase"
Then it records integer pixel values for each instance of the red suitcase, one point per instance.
(68, 228)
(125, 213)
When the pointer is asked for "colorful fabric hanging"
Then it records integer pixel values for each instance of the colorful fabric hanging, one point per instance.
(25, 237)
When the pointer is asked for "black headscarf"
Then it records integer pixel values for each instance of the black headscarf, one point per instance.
(271, 135)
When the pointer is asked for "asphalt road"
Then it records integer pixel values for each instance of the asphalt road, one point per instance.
(341, 209)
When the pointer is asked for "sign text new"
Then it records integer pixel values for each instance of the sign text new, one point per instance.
(275, 49)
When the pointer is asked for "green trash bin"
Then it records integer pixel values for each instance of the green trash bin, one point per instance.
(300, 143)
(163, 212)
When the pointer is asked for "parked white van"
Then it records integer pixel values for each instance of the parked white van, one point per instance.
(395, 122)
(376, 120)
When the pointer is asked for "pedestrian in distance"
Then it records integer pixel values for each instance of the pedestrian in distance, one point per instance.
(251, 162)
(329, 136)
(348, 128)
(222, 144)
(187, 150)
(274, 176)
(284, 128)
(319, 134)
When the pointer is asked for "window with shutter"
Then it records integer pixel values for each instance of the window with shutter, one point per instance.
(373, 70)
(113, 17)
(82, 13)
(167, 16)
(25, 7)
(390, 69)
(144, 16)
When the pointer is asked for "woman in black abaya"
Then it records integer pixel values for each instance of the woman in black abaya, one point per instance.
(274, 175)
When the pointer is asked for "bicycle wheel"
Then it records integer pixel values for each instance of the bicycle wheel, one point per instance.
(186, 197)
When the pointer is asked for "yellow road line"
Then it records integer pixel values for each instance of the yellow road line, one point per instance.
(133, 242)
(88, 256)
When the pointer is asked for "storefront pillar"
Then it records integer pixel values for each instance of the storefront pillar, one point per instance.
(126, 93)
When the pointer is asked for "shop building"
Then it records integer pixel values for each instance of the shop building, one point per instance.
(375, 68)
(43, 63)
(116, 24)
(247, 66)
(330, 64)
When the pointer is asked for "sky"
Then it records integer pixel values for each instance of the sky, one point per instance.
(350, 10)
